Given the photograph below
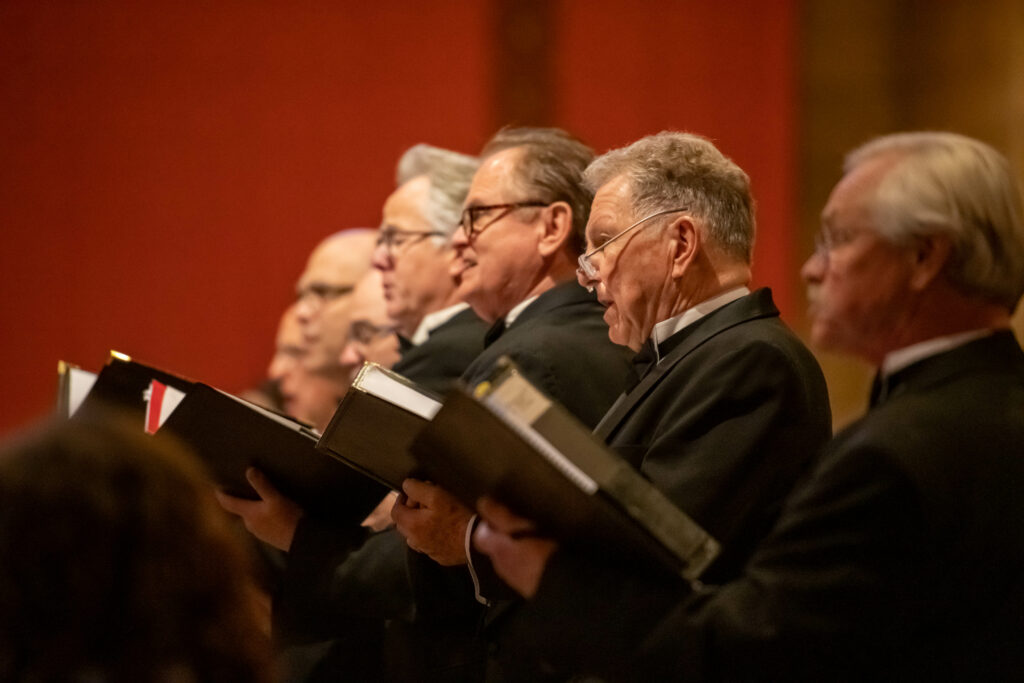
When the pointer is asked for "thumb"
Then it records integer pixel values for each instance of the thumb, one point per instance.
(261, 484)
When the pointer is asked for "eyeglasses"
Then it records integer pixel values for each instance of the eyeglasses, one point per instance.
(364, 332)
(587, 269)
(470, 215)
(322, 292)
(393, 239)
(827, 242)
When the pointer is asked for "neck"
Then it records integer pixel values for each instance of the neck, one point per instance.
(440, 300)
(529, 287)
(941, 314)
(691, 291)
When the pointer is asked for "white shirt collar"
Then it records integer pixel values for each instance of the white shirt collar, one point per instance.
(895, 361)
(666, 328)
(511, 316)
(432, 321)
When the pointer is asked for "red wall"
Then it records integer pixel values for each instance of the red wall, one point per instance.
(167, 166)
(725, 70)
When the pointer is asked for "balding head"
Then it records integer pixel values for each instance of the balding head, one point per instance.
(324, 288)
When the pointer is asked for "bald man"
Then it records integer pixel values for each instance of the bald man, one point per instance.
(323, 293)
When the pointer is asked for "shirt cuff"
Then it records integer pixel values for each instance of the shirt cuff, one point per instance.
(469, 561)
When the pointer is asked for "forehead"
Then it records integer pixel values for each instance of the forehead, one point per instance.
(495, 180)
(850, 200)
(339, 261)
(612, 207)
(408, 202)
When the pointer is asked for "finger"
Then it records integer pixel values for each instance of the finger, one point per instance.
(236, 506)
(259, 482)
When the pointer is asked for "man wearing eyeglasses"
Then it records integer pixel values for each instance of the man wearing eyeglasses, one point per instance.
(440, 334)
(322, 296)
(727, 408)
(901, 557)
(520, 233)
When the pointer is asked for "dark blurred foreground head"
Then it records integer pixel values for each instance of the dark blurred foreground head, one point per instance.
(117, 565)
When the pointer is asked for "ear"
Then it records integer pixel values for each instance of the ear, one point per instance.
(555, 228)
(930, 254)
(686, 241)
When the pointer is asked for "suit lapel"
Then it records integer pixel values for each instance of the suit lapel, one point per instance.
(755, 305)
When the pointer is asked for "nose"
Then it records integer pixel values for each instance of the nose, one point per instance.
(351, 355)
(381, 259)
(305, 308)
(459, 239)
(276, 368)
(585, 280)
(813, 269)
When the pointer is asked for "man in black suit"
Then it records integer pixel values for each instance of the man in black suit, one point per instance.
(728, 407)
(521, 232)
(902, 556)
(439, 333)
(342, 584)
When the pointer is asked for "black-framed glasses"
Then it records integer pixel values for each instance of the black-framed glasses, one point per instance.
(586, 265)
(393, 238)
(472, 215)
(321, 291)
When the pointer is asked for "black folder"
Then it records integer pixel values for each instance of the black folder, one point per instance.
(506, 440)
(376, 422)
(230, 434)
(122, 384)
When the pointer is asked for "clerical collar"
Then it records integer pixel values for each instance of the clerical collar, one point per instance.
(666, 328)
(511, 316)
(895, 361)
(432, 321)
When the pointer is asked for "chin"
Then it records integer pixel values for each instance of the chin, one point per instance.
(619, 336)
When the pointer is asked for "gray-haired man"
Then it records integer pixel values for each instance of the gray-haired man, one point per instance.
(902, 556)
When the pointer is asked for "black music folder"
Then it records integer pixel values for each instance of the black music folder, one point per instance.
(376, 421)
(509, 441)
(123, 384)
(230, 434)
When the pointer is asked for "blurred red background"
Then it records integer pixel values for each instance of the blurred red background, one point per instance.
(168, 166)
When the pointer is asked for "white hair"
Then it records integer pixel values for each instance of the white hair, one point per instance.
(944, 183)
(672, 170)
(449, 173)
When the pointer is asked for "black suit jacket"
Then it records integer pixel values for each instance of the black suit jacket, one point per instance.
(901, 558)
(725, 425)
(560, 342)
(447, 352)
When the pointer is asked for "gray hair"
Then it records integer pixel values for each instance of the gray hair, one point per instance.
(550, 170)
(449, 173)
(949, 184)
(672, 170)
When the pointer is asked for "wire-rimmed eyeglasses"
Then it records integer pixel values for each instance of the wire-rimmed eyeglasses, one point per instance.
(586, 265)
